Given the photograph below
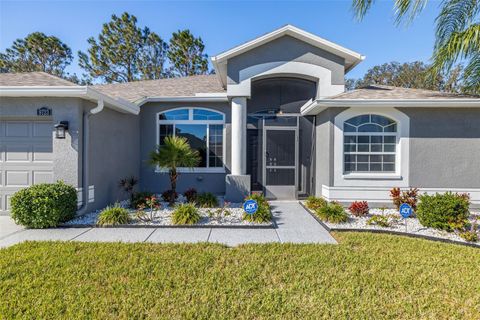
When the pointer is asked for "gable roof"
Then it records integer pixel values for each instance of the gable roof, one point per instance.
(351, 57)
(381, 92)
(41, 84)
(32, 79)
(388, 96)
(190, 86)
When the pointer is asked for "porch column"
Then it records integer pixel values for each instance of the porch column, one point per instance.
(237, 184)
(239, 136)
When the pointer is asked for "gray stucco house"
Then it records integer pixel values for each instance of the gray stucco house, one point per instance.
(274, 118)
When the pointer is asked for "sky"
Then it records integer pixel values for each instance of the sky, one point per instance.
(226, 24)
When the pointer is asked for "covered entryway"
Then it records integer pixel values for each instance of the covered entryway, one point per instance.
(25, 157)
(280, 162)
(279, 140)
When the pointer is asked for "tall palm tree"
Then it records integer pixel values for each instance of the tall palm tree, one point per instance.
(174, 153)
(457, 34)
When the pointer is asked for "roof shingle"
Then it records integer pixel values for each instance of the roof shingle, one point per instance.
(24, 79)
(380, 92)
(170, 87)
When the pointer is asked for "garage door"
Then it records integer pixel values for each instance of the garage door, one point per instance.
(25, 157)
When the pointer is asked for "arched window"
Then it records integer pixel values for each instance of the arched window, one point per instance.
(369, 144)
(203, 129)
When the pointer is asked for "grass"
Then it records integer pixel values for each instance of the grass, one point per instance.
(367, 276)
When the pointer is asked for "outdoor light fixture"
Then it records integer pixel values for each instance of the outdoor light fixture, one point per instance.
(60, 129)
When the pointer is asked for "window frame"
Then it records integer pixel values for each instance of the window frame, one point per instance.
(399, 178)
(369, 153)
(190, 120)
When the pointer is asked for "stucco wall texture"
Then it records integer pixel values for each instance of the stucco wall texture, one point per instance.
(444, 147)
(159, 182)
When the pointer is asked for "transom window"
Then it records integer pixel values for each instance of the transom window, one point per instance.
(369, 144)
(203, 129)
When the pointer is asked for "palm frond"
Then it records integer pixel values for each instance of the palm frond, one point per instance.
(455, 16)
(471, 75)
(459, 45)
(361, 7)
(407, 10)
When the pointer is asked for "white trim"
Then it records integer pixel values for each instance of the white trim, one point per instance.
(316, 106)
(321, 75)
(84, 92)
(397, 179)
(194, 170)
(352, 58)
(382, 194)
(191, 121)
(200, 97)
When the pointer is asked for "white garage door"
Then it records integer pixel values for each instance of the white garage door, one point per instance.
(25, 156)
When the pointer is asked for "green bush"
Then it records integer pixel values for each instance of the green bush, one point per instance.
(333, 212)
(446, 211)
(111, 216)
(263, 213)
(382, 221)
(469, 235)
(315, 203)
(185, 213)
(139, 199)
(44, 205)
(207, 200)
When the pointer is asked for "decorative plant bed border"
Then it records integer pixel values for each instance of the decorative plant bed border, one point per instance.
(271, 225)
(210, 218)
(386, 231)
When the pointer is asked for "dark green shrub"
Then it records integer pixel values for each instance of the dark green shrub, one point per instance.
(333, 212)
(139, 199)
(44, 205)
(207, 200)
(315, 203)
(446, 211)
(263, 213)
(185, 213)
(111, 216)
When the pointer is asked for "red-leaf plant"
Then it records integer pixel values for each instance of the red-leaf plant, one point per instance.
(359, 208)
(410, 197)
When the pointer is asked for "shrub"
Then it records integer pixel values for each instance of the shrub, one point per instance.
(359, 208)
(207, 200)
(111, 216)
(263, 213)
(333, 212)
(399, 197)
(446, 211)
(469, 235)
(185, 213)
(191, 195)
(139, 199)
(382, 221)
(169, 196)
(315, 203)
(44, 205)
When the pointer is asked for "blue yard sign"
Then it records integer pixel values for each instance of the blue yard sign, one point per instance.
(406, 210)
(250, 206)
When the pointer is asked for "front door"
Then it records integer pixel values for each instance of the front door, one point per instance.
(280, 162)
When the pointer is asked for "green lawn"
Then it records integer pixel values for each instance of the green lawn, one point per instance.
(367, 276)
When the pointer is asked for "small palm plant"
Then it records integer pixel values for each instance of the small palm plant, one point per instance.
(174, 153)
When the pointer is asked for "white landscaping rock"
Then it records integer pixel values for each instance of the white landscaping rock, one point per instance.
(162, 217)
(413, 225)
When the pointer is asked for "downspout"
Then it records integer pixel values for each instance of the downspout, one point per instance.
(85, 155)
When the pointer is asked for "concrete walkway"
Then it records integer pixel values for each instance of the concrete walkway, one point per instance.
(294, 225)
